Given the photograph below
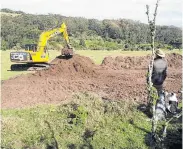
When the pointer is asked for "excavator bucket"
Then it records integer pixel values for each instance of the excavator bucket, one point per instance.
(67, 51)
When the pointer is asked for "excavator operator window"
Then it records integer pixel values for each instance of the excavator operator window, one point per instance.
(31, 47)
(34, 48)
(45, 50)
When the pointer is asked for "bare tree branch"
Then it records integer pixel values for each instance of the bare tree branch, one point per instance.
(155, 12)
(151, 93)
(147, 6)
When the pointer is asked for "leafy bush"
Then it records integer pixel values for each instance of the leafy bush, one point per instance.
(82, 43)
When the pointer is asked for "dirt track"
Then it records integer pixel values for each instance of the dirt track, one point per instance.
(120, 78)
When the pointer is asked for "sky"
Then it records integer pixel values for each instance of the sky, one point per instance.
(169, 11)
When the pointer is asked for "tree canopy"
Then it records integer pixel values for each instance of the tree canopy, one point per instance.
(25, 29)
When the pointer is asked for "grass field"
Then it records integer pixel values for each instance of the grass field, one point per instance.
(96, 56)
(85, 123)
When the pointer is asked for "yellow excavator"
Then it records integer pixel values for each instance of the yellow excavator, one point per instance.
(36, 57)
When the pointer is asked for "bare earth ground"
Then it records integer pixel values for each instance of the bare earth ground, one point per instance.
(122, 78)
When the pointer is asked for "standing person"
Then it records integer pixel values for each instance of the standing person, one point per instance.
(159, 72)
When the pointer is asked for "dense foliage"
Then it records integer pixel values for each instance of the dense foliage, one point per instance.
(21, 29)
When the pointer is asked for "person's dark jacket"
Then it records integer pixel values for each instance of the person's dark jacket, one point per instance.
(159, 71)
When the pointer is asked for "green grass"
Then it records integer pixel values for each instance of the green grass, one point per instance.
(96, 55)
(87, 121)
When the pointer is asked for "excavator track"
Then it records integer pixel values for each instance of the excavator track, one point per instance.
(29, 67)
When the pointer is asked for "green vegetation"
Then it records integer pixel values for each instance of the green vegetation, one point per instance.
(21, 28)
(9, 11)
(85, 122)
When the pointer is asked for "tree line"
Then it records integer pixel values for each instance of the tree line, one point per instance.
(85, 33)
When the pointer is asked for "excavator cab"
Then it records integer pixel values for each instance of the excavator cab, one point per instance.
(31, 47)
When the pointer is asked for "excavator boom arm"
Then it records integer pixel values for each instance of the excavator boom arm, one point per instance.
(45, 36)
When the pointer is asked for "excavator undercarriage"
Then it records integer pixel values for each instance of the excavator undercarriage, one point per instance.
(29, 67)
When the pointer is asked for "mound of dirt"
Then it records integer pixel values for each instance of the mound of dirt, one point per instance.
(174, 60)
(122, 78)
(139, 62)
(77, 65)
(123, 62)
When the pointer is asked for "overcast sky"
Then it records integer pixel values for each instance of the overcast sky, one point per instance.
(169, 11)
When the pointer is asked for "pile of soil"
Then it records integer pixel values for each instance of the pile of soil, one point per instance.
(122, 78)
(123, 62)
(75, 66)
(174, 60)
(139, 62)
